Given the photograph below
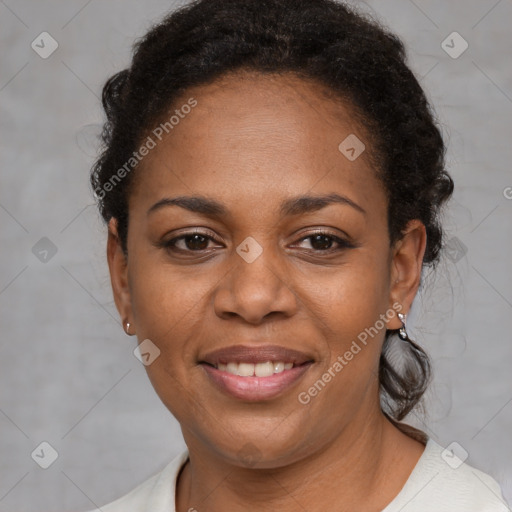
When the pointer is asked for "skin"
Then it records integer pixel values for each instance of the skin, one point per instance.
(252, 142)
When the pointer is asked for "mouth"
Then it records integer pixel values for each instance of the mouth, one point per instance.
(255, 373)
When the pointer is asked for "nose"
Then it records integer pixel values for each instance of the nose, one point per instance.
(255, 291)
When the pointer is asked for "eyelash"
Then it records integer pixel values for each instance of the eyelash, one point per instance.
(342, 244)
(170, 245)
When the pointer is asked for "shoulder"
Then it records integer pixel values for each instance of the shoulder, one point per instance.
(443, 482)
(156, 494)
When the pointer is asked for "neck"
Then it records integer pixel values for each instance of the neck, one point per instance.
(362, 468)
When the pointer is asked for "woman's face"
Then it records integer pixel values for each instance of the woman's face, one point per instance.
(237, 279)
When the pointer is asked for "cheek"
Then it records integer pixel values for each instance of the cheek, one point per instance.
(349, 304)
(165, 299)
(350, 299)
(347, 310)
(168, 308)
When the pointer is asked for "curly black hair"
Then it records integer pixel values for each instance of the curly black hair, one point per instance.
(350, 54)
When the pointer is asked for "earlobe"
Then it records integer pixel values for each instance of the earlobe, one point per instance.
(406, 267)
(118, 267)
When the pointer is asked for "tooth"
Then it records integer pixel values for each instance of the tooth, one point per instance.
(278, 366)
(264, 369)
(232, 368)
(246, 369)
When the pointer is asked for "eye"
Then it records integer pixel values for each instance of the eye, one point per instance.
(194, 241)
(323, 241)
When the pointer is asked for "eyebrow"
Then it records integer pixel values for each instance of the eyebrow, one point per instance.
(306, 204)
(294, 206)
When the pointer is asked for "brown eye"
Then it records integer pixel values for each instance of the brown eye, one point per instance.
(321, 242)
(189, 243)
(324, 242)
(196, 242)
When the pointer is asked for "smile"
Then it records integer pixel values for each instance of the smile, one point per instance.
(255, 373)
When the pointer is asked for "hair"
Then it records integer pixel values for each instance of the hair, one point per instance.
(346, 52)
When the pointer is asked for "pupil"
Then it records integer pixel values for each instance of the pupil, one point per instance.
(196, 242)
(321, 242)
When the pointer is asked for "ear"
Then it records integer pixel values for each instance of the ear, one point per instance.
(406, 265)
(118, 267)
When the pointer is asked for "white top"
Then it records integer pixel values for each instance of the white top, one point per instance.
(433, 485)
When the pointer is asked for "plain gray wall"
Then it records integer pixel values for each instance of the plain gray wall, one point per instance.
(68, 375)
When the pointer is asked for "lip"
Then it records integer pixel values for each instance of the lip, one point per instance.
(254, 389)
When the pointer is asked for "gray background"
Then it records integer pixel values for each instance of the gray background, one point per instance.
(68, 373)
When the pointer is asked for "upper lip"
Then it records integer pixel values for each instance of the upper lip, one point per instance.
(248, 354)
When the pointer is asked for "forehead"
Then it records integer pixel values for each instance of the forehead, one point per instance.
(258, 134)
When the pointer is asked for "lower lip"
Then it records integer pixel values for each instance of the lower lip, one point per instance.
(255, 388)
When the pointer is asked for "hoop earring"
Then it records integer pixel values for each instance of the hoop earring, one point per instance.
(402, 333)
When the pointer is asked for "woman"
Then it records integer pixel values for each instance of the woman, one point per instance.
(272, 179)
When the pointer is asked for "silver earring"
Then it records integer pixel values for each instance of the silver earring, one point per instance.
(127, 328)
(402, 333)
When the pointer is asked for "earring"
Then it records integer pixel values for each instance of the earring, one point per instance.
(127, 328)
(402, 333)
